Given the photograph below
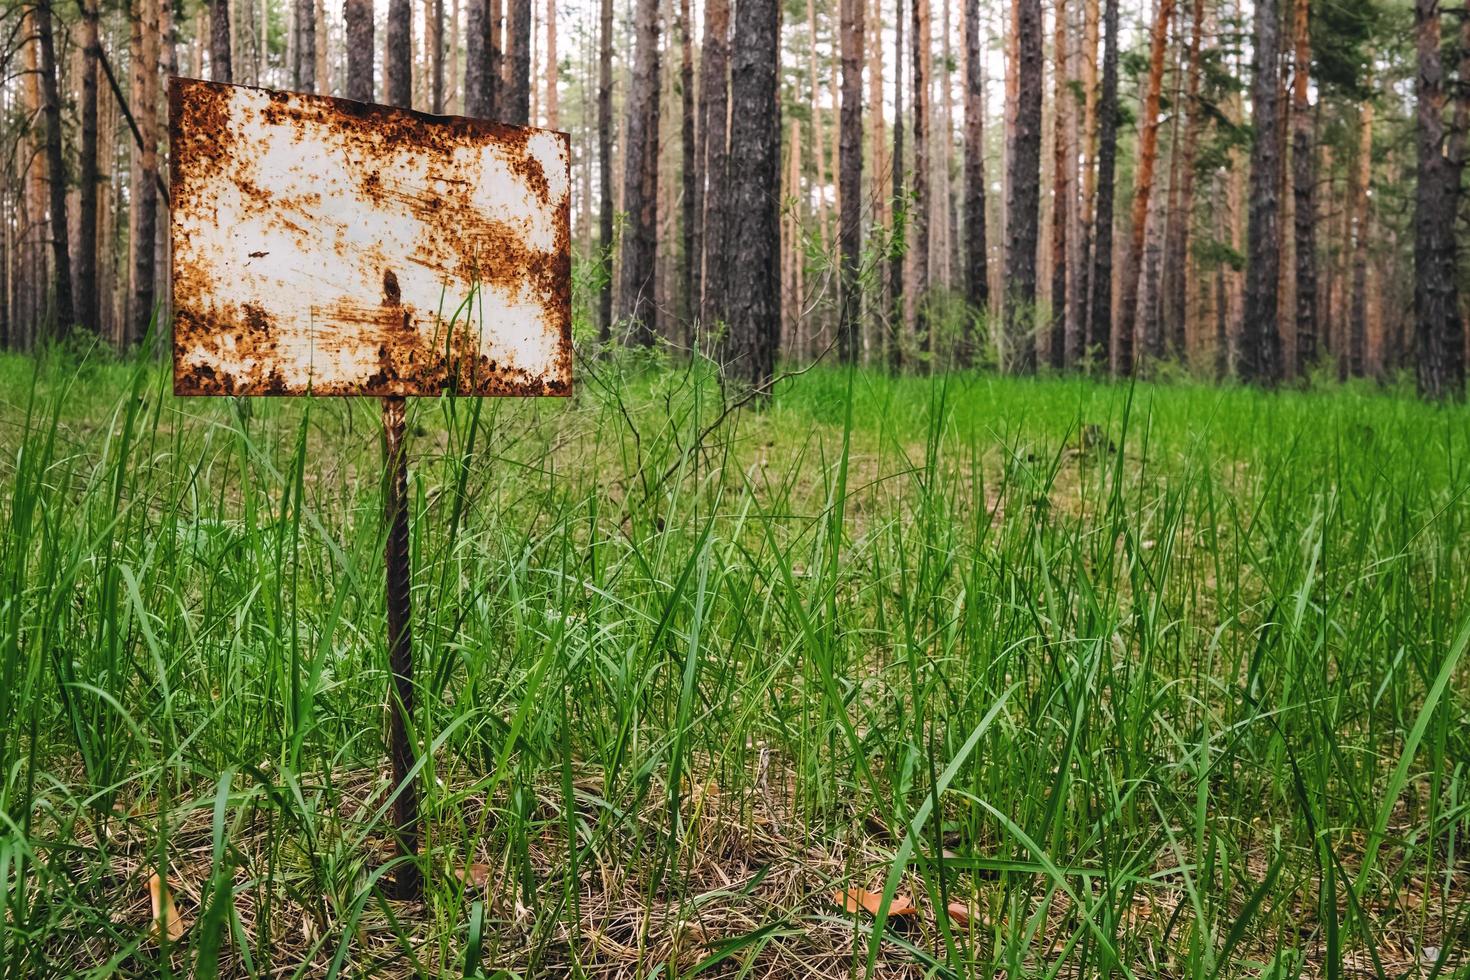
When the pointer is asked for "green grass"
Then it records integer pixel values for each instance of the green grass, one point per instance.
(1165, 681)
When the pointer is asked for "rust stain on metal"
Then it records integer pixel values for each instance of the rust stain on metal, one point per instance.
(339, 248)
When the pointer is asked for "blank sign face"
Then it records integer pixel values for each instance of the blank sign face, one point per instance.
(332, 247)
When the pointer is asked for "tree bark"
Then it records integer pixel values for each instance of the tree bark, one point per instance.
(516, 109)
(398, 56)
(919, 221)
(636, 302)
(898, 244)
(1023, 221)
(303, 72)
(850, 169)
(754, 292)
(690, 175)
(56, 173)
(977, 275)
(1260, 349)
(604, 169)
(87, 311)
(553, 97)
(1304, 179)
(1362, 178)
(219, 41)
(1148, 151)
(1061, 190)
(1100, 317)
(1439, 329)
(714, 142)
(145, 193)
(1177, 263)
(480, 70)
(435, 41)
(358, 15)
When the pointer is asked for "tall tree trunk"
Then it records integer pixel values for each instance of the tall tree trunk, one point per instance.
(1061, 209)
(1362, 179)
(1023, 222)
(1087, 161)
(898, 246)
(1100, 317)
(358, 15)
(690, 175)
(398, 57)
(604, 168)
(923, 46)
(850, 169)
(1439, 329)
(56, 172)
(640, 181)
(1177, 261)
(819, 130)
(219, 41)
(977, 275)
(516, 108)
(1304, 179)
(1148, 151)
(145, 192)
(303, 72)
(714, 138)
(1260, 351)
(87, 305)
(753, 292)
(480, 70)
(553, 97)
(435, 40)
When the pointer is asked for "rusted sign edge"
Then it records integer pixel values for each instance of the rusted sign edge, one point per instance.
(400, 123)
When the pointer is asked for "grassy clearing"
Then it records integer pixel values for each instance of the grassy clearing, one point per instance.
(1154, 682)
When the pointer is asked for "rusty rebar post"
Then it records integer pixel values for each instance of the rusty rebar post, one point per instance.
(408, 883)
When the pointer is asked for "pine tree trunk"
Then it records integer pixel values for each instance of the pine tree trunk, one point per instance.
(358, 15)
(1363, 174)
(398, 55)
(145, 192)
(219, 41)
(898, 246)
(850, 171)
(516, 107)
(303, 71)
(1260, 349)
(1100, 317)
(1176, 260)
(435, 40)
(640, 181)
(1148, 151)
(690, 176)
(1304, 178)
(1088, 163)
(1023, 221)
(977, 275)
(1061, 209)
(604, 166)
(480, 72)
(553, 97)
(87, 305)
(714, 141)
(919, 222)
(753, 290)
(56, 173)
(1438, 327)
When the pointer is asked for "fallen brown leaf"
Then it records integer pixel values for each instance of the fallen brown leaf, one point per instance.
(165, 914)
(853, 899)
(473, 874)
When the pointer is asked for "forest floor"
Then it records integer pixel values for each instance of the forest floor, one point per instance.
(928, 677)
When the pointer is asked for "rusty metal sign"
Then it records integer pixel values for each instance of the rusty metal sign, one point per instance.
(332, 247)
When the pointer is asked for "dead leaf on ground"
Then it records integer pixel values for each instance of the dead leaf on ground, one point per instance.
(165, 913)
(475, 875)
(963, 914)
(853, 899)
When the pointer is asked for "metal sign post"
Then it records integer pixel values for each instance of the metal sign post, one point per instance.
(328, 247)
